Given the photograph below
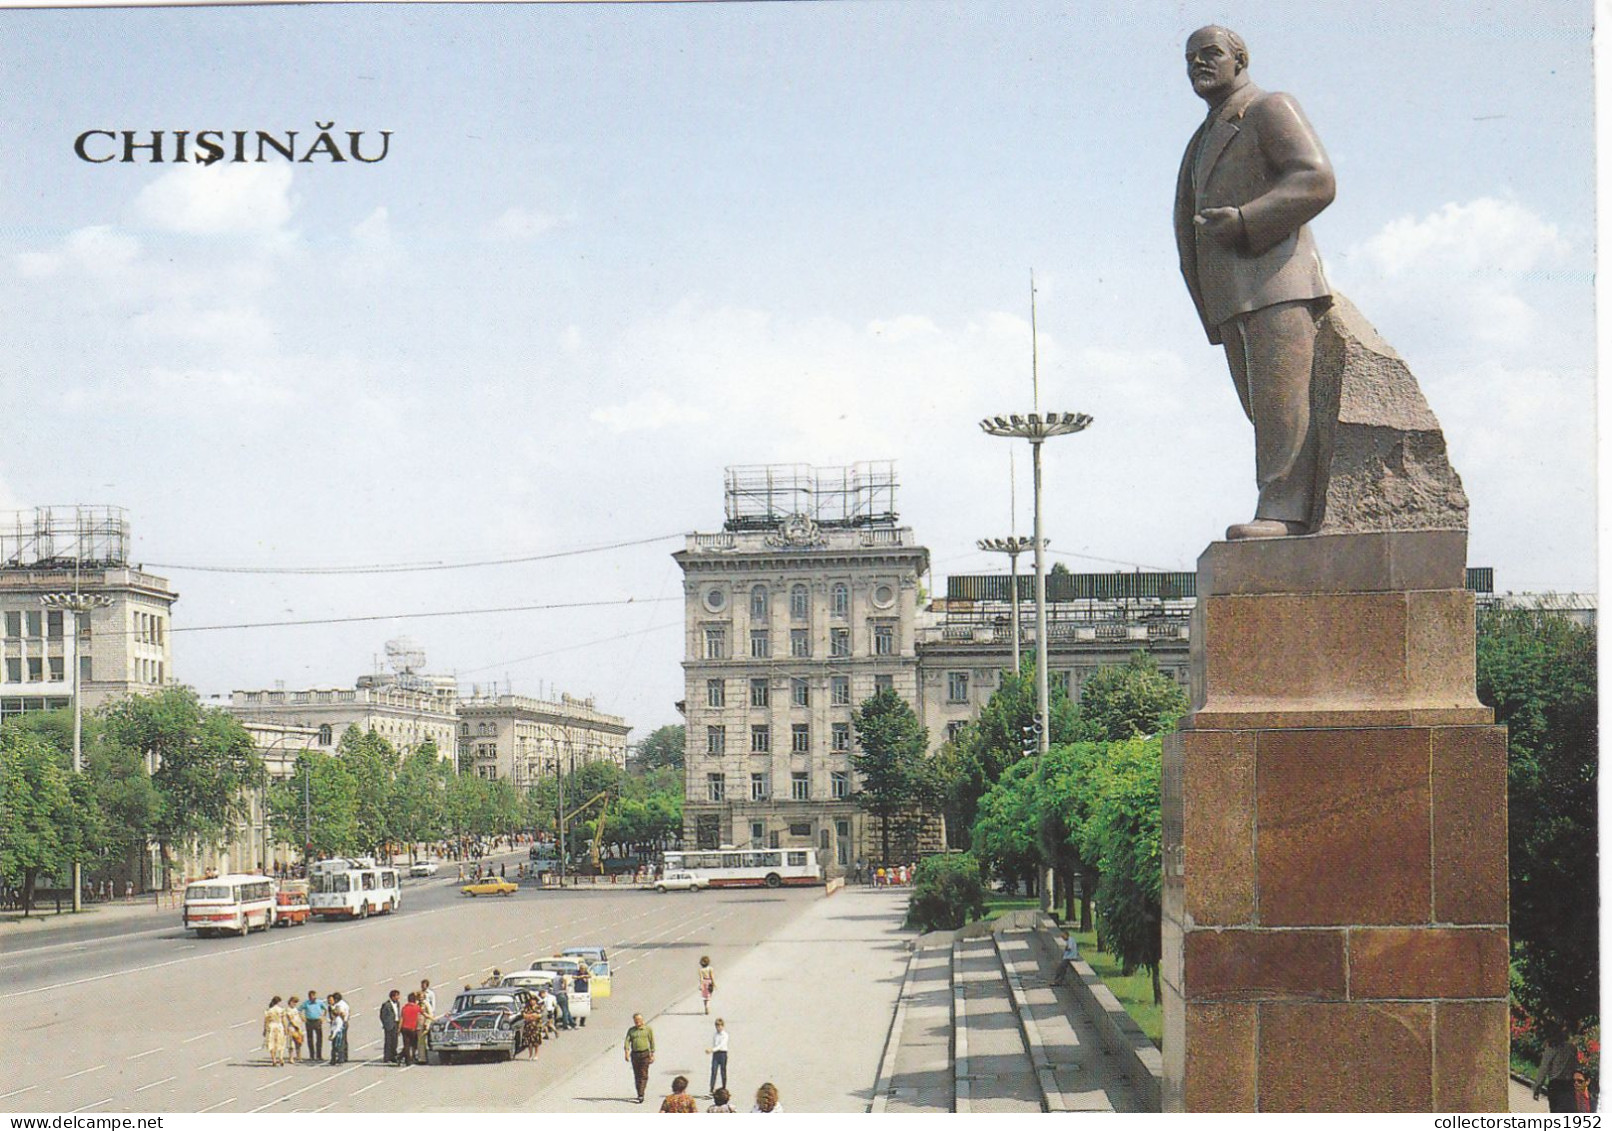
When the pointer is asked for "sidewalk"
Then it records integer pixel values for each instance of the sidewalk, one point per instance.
(807, 1009)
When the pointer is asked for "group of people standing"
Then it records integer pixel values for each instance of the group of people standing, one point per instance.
(887, 875)
(406, 1025)
(299, 1025)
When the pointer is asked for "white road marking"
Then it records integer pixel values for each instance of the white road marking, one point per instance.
(242, 1023)
(272, 1083)
(323, 1081)
(20, 1091)
(148, 1052)
(360, 1091)
(210, 1063)
(86, 1107)
(220, 1103)
(154, 1083)
(80, 1072)
(199, 1037)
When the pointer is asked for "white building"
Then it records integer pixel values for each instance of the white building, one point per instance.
(122, 644)
(520, 739)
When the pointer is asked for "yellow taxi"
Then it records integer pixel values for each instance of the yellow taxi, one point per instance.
(492, 885)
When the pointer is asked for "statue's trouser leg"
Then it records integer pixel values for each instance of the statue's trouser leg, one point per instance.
(1270, 352)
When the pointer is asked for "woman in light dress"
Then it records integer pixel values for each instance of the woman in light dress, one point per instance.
(707, 981)
(294, 1031)
(274, 1031)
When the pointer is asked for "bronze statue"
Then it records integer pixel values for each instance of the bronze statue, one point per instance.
(1253, 175)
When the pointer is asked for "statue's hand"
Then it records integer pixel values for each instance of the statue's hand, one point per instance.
(1223, 225)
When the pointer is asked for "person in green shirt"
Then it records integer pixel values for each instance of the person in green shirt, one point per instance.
(639, 1049)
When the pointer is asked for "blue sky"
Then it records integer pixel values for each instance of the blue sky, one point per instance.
(615, 249)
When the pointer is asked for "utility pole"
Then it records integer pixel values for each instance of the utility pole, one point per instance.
(1012, 547)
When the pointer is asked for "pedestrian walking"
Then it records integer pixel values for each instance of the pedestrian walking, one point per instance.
(1556, 1067)
(707, 982)
(339, 1012)
(313, 1023)
(293, 1028)
(128, 889)
(409, 1026)
(274, 1031)
(391, 1022)
(767, 1100)
(719, 1055)
(679, 1102)
(639, 1050)
(721, 1102)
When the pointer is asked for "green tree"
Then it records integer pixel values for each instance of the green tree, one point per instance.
(1006, 833)
(889, 758)
(328, 822)
(1121, 834)
(1122, 701)
(997, 739)
(373, 763)
(46, 817)
(416, 801)
(205, 763)
(663, 748)
(1538, 671)
(947, 891)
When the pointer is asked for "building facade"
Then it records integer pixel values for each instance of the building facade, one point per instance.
(803, 606)
(406, 716)
(122, 644)
(520, 740)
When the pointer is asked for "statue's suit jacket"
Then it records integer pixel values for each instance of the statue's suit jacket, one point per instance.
(1257, 152)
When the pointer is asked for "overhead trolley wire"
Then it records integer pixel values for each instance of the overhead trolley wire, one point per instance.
(410, 567)
(419, 616)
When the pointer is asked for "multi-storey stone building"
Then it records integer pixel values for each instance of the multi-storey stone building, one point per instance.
(122, 644)
(520, 739)
(800, 608)
(404, 715)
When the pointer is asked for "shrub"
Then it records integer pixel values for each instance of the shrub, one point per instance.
(947, 892)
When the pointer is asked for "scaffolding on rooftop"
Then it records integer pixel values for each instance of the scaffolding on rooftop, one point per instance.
(763, 496)
(94, 537)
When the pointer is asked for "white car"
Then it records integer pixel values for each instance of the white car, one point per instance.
(424, 868)
(679, 881)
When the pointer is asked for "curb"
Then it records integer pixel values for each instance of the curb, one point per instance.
(1052, 1097)
(892, 1043)
(962, 1091)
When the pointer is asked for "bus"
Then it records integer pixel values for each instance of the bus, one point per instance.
(235, 904)
(748, 867)
(353, 888)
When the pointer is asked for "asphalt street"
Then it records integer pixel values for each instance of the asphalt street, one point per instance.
(158, 1020)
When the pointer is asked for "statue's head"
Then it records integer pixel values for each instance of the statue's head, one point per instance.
(1217, 60)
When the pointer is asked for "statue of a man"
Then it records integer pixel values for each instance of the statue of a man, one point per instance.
(1253, 176)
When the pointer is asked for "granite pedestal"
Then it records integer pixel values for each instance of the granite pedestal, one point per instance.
(1335, 897)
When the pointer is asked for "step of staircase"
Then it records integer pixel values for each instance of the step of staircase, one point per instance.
(993, 1069)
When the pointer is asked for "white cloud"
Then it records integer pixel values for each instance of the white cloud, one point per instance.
(375, 230)
(214, 200)
(99, 250)
(1469, 270)
(518, 223)
(1485, 237)
(571, 339)
(651, 410)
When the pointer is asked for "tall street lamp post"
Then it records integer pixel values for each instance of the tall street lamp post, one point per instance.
(1012, 547)
(1038, 428)
(78, 604)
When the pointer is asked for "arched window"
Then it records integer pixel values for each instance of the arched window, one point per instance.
(324, 734)
(800, 603)
(758, 603)
(841, 599)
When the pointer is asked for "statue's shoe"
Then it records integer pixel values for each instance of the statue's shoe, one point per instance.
(1263, 528)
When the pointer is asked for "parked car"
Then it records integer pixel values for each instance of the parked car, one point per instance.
(424, 868)
(487, 1020)
(490, 886)
(679, 881)
(598, 967)
(580, 1001)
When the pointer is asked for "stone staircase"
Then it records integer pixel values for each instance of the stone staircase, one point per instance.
(979, 1028)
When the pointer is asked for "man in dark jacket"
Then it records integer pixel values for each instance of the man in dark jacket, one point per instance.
(391, 1020)
(1253, 176)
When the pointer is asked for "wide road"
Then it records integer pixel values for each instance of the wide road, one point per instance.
(157, 1020)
